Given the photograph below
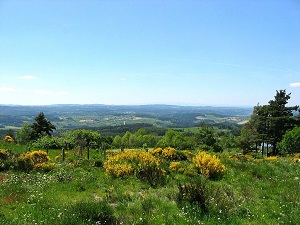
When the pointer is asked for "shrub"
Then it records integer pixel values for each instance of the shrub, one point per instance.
(9, 139)
(212, 198)
(44, 167)
(176, 166)
(6, 160)
(98, 163)
(209, 165)
(4, 154)
(188, 154)
(38, 156)
(142, 163)
(272, 158)
(169, 154)
(296, 158)
(88, 213)
(290, 142)
(149, 169)
(6, 164)
(27, 161)
(24, 163)
(194, 193)
(119, 170)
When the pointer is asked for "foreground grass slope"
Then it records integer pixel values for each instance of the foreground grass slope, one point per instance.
(253, 190)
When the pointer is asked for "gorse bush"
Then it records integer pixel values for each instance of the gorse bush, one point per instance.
(149, 169)
(296, 158)
(119, 170)
(44, 167)
(37, 156)
(272, 158)
(4, 154)
(9, 139)
(169, 154)
(176, 167)
(29, 160)
(209, 165)
(141, 163)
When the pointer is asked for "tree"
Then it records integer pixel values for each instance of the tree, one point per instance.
(281, 118)
(177, 140)
(256, 130)
(205, 136)
(117, 142)
(82, 138)
(290, 142)
(270, 122)
(24, 134)
(247, 138)
(126, 139)
(41, 127)
(207, 140)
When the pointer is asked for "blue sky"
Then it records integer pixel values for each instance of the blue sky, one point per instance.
(201, 52)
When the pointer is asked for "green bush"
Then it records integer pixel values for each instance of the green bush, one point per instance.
(194, 193)
(88, 213)
(98, 163)
(5, 160)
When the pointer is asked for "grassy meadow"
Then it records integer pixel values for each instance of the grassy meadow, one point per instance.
(159, 186)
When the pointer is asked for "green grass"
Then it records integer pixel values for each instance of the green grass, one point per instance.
(76, 192)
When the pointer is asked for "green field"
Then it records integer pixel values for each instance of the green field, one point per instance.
(254, 190)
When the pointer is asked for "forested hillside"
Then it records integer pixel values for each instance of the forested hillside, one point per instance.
(112, 120)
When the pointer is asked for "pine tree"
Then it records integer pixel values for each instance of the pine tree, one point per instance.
(41, 127)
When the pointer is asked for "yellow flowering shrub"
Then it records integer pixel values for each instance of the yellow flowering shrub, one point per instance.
(247, 156)
(28, 160)
(296, 158)
(174, 166)
(8, 138)
(241, 157)
(44, 167)
(156, 152)
(145, 159)
(141, 163)
(209, 165)
(110, 152)
(38, 156)
(4, 154)
(272, 158)
(119, 170)
(168, 154)
(188, 154)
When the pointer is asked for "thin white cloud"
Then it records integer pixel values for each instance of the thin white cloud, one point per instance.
(28, 77)
(7, 89)
(296, 84)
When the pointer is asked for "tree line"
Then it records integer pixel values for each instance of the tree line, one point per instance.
(273, 128)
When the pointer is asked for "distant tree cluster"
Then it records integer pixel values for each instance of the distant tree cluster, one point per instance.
(269, 123)
(39, 134)
(273, 128)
